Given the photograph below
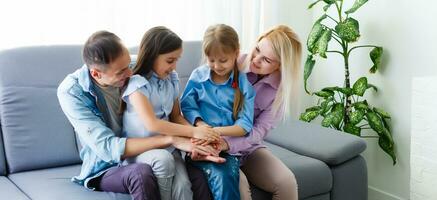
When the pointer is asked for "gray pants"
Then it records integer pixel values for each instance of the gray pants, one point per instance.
(170, 172)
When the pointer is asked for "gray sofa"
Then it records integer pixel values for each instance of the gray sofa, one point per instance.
(39, 151)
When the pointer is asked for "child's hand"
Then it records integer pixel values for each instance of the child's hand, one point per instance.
(206, 153)
(206, 133)
(216, 145)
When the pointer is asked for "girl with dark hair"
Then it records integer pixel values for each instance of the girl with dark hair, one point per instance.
(152, 107)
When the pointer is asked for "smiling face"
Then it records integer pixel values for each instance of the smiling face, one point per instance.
(114, 74)
(165, 63)
(222, 64)
(264, 61)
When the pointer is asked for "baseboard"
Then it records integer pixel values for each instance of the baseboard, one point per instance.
(376, 194)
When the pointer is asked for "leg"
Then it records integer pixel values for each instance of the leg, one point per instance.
(267, 172)
(244, 187)
(135, 179)
(199, 184)
(163, 166)
(223, 179)
(181, 188)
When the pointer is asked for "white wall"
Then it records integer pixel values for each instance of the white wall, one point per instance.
(406, 31)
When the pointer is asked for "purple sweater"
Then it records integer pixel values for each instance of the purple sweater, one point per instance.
(264, 118)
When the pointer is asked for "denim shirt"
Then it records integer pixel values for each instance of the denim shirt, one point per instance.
(213, 102)
(101, 148)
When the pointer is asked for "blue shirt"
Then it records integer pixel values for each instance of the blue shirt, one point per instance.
(213, 102)
(101, 148)
(161, 93)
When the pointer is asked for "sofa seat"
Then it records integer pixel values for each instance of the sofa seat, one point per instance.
(9, 191)
(54, 183)
(313, 176)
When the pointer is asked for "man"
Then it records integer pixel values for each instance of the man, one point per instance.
(90, 98)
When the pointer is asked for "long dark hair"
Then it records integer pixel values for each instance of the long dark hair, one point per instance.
(157, 40)
(101, 48)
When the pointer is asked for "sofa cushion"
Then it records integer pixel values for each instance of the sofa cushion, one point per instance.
(36, 133)
(54, 183)
(316, 141)
(313, 176)
(9, 191)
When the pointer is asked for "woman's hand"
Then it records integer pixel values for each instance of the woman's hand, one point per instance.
(206, 133)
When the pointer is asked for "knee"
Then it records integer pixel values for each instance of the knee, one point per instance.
(164, 164)
(286, 181)
(140, 174)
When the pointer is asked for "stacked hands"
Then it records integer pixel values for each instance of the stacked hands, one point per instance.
(205, 144)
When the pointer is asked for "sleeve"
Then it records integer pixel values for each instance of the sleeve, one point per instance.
(136, 83)
(263, 123)
(190, 99)
(90, 128)
(175, 82)
(245, 116)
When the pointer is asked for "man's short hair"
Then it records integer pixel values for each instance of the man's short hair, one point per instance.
(102, 48)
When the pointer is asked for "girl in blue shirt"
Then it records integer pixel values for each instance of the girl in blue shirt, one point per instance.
(218, 96)
(152, 104)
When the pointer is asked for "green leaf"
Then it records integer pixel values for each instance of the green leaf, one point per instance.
(361, 105)
(384, 121)
(309, 65)
(326, 122)
(322, 44)
(357, 4)
(387, 144)
(326, 7)
(346, 91)
(381, 112)
(326, 106)
(360, 86)
(356, 117)
(309, 116)
(315, 33)
(348, 30)
(372, 86)
(313, 4)
(352, 129)
(375, 56)
(314, 108)
(338, 107)
(330, 1)
(324, 94)
(375, 122)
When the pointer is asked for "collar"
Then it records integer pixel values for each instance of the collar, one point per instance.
(205, 75)
(84, 78)
(273, 79)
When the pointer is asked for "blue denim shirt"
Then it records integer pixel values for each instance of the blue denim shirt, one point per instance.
(213, 102)
(101, 148)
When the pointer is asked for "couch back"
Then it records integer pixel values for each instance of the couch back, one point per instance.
(35, 132)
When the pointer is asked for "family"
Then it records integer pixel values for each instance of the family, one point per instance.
(139, 137)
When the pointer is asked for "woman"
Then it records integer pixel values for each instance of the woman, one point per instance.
(274, 66)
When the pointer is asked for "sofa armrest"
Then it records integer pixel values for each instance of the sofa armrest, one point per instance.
(328, 145)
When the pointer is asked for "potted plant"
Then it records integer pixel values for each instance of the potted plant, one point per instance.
(344, 107)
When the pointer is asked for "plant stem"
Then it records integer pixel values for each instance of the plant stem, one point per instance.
(361, 46)
(335, 52)
(370, 136)
(332, 19)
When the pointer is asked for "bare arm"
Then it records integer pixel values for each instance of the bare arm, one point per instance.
(234, 130)
(145, 111)
(176, 114)
(136, 146)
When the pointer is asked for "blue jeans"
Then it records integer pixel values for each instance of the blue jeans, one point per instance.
(223, 179)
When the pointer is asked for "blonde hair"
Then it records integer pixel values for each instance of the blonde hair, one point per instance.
(221, 38)
(287, 47)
